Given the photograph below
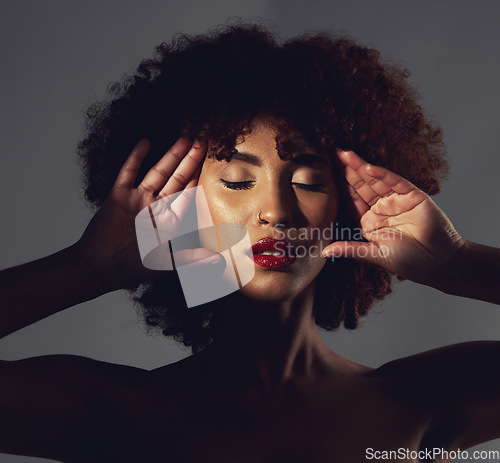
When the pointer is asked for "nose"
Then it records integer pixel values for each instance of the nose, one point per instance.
(275, 208)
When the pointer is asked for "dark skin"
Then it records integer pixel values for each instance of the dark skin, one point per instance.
(272, 391)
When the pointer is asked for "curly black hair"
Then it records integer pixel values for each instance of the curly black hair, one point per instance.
(335, 92)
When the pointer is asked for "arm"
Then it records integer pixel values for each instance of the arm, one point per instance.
(474, 273)
(460, 386)
(60, 406)
(35, 290)
(411, 237)
(473, 396)
(106, 257)
(57, 406)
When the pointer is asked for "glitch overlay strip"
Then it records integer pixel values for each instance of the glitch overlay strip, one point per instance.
(177, 232)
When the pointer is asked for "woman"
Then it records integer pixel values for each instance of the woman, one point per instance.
(282, 136)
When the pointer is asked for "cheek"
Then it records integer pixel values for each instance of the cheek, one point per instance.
(332, 205)
(325, 214)
(325, 206)
(202, 197)
(224, 206)
(323, 225)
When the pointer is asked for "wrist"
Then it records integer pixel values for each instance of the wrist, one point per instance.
(474, 272)
(94, 281)
(450, 276)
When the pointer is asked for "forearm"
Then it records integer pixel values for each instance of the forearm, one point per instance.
(35, 290)
(474, 273)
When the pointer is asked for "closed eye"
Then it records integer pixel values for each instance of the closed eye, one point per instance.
(308, 187)
(246, 185)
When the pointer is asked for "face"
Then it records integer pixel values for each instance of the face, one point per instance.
(293, 201)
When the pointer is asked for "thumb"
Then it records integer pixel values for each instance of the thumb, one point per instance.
(359, 250)
(198, 256)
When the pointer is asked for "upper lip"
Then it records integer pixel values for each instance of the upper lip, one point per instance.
(273, 244)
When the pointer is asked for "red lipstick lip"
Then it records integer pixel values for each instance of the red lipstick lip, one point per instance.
(272, 244)
(285, 258)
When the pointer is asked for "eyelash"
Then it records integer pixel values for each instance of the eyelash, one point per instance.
(237, 185)
(249, 184)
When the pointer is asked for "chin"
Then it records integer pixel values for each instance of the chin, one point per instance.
(274, 287)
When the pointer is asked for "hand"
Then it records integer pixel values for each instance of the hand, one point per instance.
(108, 245)
(407, 233)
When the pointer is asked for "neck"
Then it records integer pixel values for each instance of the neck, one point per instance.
(276, 344)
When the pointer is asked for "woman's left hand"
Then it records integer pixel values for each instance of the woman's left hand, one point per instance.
(407, 233)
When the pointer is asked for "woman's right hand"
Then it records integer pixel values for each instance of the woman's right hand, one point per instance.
(109, 245)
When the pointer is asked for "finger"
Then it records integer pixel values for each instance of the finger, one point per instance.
(353, 167)
(199, 256)
(128, 173)
(183, 173)
(161, 258)
(181, 201)
(357, 205)
(193, 181)
(371, 182)
(155, 179)
(359, 250)
(385, 181)
(170, 209)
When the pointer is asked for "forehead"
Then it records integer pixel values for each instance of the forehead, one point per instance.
(263, 136)
(278, 137)
(270, 130)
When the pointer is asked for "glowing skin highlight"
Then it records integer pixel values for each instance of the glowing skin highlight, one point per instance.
(299, 193)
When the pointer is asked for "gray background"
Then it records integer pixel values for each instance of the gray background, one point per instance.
(58, 56)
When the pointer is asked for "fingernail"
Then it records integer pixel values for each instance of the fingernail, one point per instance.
(218, 259)
(197, 144)
(332, 253)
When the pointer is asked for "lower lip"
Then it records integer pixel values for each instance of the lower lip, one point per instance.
(273, 262)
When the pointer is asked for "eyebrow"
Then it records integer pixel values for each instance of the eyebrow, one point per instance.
(303, 158)
(246, 157)
(309, 158)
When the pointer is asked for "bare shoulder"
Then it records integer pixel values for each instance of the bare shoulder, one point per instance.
(457, 385)
(52, 403)
(436, 372)
(70, 384)
(195, 372)
(75, 363)
(84, 374)
(55, 405)
(450, 361)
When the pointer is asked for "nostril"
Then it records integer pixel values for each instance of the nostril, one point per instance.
(269, 218)
(260, 219)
